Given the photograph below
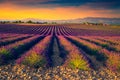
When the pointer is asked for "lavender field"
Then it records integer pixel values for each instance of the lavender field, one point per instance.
(58, 51)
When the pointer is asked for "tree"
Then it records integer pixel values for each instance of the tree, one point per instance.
(45, 22)
(29, 21)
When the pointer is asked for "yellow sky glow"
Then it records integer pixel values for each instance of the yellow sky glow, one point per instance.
(14, 12)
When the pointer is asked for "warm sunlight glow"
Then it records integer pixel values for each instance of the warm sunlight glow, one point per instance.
(14, 12)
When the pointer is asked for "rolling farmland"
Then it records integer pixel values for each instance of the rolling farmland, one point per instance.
(53, 46)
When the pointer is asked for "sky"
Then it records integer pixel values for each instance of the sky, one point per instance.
(58, 9)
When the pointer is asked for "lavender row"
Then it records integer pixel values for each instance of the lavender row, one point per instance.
(74, 58)
(7, 52)
(36, 56)
(109, 58)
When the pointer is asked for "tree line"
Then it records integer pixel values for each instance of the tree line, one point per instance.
(29, 21)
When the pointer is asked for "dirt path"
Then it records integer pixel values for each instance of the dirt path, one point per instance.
(56, 59)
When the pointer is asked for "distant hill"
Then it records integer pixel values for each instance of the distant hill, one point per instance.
(101, 20)
(79, 20)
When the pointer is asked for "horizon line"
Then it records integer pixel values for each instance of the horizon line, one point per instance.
(61, 19)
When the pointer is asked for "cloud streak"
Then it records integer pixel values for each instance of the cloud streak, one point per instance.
(108, 4)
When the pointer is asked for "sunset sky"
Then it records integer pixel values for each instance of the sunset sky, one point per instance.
(58, 9)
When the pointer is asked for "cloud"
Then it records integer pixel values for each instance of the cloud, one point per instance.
(104, 5)
(58, 9)
(94, 4)
(58, 3)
